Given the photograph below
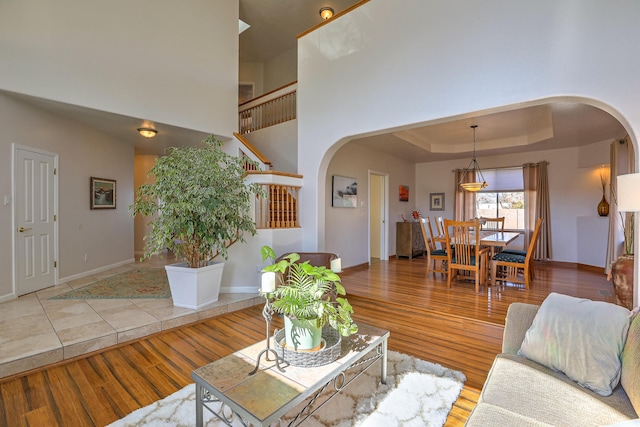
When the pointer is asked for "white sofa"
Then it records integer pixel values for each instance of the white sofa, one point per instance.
(521, 392)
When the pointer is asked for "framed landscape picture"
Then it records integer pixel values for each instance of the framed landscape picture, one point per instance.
(103, 193)
(344, 192)
(436, 201)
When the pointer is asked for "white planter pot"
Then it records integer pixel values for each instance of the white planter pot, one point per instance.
(194, 287)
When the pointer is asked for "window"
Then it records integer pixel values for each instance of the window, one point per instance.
(503, 197)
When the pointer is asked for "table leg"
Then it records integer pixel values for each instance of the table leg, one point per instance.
(383, 368)
(199, 421)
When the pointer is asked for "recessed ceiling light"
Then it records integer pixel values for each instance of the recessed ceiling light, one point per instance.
(147, 132)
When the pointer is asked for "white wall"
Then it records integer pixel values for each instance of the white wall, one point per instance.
(574, 193)
(279, 144)
(433, 60)
(347, 229)
(253, 72)
(161, 60)
(281, 70)
(106, 236)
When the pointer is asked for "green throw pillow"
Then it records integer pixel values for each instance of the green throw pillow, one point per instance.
(581, 338)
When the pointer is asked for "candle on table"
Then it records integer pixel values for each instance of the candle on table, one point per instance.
(336, 265)
(268, 282)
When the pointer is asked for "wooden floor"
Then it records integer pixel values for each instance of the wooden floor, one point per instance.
(454, 327)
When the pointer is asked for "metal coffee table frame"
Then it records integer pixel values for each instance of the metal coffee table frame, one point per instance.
(263, 398)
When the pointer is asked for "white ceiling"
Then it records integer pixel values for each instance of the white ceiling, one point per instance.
(274, 29)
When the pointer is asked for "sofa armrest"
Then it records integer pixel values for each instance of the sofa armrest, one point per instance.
(519, 319)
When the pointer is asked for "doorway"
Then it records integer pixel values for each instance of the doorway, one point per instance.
(35, 207)
(378, 213)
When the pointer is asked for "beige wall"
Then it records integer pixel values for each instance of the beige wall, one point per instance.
(105, 236)
(160, 60)
(347, 229)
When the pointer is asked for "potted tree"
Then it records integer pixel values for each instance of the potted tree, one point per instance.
(201, 206)
(309, 297)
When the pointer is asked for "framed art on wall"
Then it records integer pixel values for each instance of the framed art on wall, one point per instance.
(344, 192)
(436, 201)
(103, 193)
(404, 193)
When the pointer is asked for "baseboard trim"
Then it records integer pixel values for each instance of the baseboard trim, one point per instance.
(95, 271)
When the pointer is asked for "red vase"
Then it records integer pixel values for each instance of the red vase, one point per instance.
(622, 278)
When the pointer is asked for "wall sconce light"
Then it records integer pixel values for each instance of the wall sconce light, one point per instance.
(147, 132)
(326, 13)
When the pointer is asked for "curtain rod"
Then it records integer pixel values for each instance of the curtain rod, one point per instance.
(510, 167)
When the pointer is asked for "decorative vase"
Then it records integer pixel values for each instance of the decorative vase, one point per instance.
(603, 207)
(622, 278)
(194, 287)
(302, 335)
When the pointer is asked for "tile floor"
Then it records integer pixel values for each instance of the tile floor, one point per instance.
(36, 331)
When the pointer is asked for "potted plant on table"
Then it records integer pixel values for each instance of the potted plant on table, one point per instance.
(201, 206)
(309, 297)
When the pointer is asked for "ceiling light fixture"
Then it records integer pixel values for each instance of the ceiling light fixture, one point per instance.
(473, 170)
(326, 12)
(147, 132)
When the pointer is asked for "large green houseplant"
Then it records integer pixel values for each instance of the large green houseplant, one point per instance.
(200, 205)
(309, 297)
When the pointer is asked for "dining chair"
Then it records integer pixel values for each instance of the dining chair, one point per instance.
(464, 253)
(514, 267)
(436, 258)
(496, 224)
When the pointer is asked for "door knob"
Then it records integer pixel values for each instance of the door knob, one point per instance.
(22, 229)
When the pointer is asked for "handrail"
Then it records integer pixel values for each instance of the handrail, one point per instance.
(278, 205)
(336, 16)
(253, 149)
(271, 112)
(266, 95)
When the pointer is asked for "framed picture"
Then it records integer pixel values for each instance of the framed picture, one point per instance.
(103, 193)
(436, 201)
(344, 192)
(404, 193)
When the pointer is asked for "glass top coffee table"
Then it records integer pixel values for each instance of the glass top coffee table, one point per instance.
(266, 396)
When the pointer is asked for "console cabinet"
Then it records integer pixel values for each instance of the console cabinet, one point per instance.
(409, 241)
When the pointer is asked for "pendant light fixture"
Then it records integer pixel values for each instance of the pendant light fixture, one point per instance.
(474, 170)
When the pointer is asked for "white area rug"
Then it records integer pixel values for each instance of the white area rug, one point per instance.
(417, 394)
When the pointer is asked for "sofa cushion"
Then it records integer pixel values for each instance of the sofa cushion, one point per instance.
(485, 414)
(581, 338)
(630, 378)
(530, 390)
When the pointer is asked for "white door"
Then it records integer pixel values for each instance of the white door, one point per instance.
(378, 212)
(35, 237)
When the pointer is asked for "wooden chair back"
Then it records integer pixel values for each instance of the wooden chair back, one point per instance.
(496, 224)
(464, 251)
(511, 264)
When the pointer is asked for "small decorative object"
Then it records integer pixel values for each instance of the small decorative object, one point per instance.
(344, 192)
(603, 206)
(436, 201)
(309, 297)
(103, 193)
(415, 215)
(404, 193)
(201, 205)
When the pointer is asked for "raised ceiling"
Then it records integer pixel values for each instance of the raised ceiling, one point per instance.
(274, 29)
